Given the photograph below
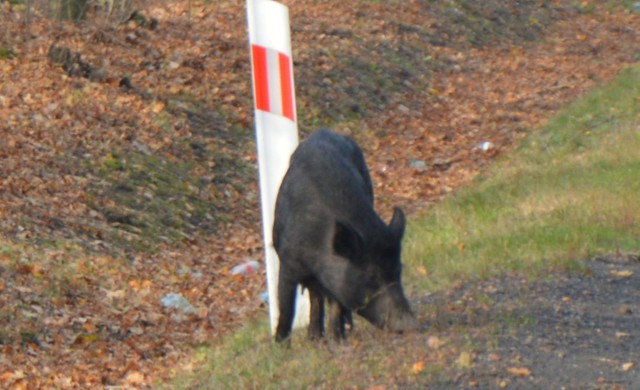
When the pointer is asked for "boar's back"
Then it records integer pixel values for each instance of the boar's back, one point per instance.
(327, 179)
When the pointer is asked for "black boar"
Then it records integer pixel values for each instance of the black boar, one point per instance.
(331, 241)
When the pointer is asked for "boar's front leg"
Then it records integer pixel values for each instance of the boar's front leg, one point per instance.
(316, 317)
(286, 305)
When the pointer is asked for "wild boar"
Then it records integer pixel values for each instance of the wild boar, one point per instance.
(331, 241)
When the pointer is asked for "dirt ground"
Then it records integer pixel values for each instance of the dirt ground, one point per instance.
(576, 330)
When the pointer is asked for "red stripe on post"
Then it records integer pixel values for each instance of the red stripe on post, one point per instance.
(260, 77)
(286, 86)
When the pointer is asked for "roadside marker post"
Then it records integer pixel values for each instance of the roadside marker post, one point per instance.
(276, 127)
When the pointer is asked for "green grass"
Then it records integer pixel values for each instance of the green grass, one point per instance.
(7, 53)
(148, 198)
(248, 359)
(567, 194)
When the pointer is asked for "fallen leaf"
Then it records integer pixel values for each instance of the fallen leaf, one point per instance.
(519, 371)
(24, 269)
(422, 271)
(135, 285)
(158, 106)
(115, 294)
(418, 367)
(628, 366)
(465, 360)
(18, 374)
(85, 339)
(434, 342)
(624, 309)
(90, 327)
(20, 385)
(622, 274)
(134, 378)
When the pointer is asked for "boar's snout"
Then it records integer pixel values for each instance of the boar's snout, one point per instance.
(390, 310)
(405, 322)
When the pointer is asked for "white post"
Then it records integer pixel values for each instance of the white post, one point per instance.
(276, 126)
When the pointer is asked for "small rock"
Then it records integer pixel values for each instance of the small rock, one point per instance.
(50, 107)
(141, 147)
(264, 296)
(418, 165)
(131, 38)
(38, 118)
(97, 75)
(179, 302)
(485, 146)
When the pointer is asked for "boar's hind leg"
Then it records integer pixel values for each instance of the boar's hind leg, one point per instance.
(286, 306)
(316, 320)
(338, 318)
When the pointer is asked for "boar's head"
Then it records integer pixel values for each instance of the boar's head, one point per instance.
(375, 284)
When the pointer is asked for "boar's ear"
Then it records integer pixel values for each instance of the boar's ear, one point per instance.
(397, 223)
(347, 242)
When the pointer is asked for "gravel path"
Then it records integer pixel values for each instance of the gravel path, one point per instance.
(577, 330)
